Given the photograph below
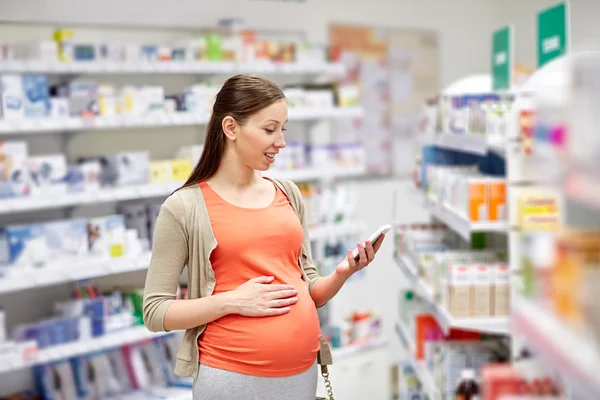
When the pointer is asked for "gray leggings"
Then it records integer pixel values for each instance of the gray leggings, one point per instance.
(218, 384)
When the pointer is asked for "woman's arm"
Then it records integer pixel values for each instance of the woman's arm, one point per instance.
(324, 288)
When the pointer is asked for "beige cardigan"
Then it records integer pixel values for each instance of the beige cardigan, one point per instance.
(183, 236)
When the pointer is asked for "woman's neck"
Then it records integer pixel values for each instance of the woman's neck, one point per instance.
(233, 173)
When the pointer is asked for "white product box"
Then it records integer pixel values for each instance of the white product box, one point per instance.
(133, 168)
(482, 290)
(12, 98)
(107, 236)
(67, 240)
(14, 175)
(48, 174)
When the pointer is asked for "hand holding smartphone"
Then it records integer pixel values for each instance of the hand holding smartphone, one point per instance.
(382, 230)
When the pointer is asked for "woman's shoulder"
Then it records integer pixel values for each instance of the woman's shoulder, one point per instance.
(289, 187)
(181, 199)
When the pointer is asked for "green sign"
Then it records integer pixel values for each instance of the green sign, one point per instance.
(502, 58)
(552, 33)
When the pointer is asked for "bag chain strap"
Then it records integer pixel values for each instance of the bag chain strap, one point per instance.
(328, 387)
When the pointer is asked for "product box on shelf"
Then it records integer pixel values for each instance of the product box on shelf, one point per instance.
(12, 100)
(66, 240)
(108, 169)
(47, 375)
(107, 236)
(14, 176)
(48, 174)
(482, 298)
(133, 168)
(108, 102)
(59, 108)
(161, 171)
(83, 98)
(36, 96)
(137, 217)
(181, 169)
(24, 245)
(500, 290)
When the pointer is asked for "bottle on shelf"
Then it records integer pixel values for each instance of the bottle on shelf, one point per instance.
(468, 388)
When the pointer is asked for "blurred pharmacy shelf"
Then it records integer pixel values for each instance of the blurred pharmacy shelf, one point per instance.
(495, 325)
(169, 67)
(458, 222)
(316, 173)
(31, 126)
(71, 199)
(11, 361)
(19, 357)
(24, 278)
(427, 382)
(473, 144)
(576, 357)
(150, 190)
(348, 351)
(29, 277)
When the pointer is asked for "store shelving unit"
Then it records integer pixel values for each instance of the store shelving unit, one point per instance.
(134, 335)
(45, 126)
(27, 278)
(150, 190)
(68, 350)
(169, 67)
(31, 278)
(495, 325)
(427, 383)
(457, 222)
(575, 354)
(576, 357)
(465, 143)
(460, 224)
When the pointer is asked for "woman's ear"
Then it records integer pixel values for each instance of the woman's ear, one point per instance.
(229, 126)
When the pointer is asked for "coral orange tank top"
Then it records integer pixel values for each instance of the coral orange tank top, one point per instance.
(251, 243)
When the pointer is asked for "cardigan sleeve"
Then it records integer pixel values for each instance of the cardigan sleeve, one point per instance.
(169, 257)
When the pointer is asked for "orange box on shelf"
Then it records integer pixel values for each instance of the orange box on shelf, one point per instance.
(425, 324)
(478, 203)
(497, 199)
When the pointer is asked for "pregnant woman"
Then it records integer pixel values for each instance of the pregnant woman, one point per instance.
(252, 330)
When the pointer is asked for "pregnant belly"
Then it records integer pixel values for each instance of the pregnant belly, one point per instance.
(264, 346)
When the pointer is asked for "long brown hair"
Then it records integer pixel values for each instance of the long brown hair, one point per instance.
(240, 97)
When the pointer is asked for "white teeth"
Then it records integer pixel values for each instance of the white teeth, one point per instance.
(270, 155)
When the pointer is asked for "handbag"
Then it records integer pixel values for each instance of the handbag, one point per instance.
(328, 388)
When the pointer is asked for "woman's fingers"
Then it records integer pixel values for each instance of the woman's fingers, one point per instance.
(276, 311)
(378, 243)
(370, 251)
(362, 256)
(283, 302)
(281, 294)
(351, 261)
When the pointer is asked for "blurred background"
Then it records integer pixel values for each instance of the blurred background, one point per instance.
(468, 125)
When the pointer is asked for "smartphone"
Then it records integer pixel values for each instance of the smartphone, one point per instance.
(382, 230)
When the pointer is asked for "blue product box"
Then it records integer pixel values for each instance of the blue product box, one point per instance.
(66, 239)
(36, 102)
(56, 381)
(26, 245)
(14, 175)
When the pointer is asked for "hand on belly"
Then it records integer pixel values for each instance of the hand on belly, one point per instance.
(259, 298)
